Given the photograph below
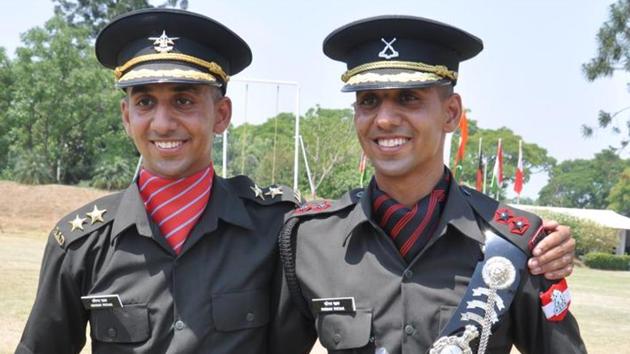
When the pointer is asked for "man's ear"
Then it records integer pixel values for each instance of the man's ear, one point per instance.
(453, 112)
(223, 115)
(124, 111)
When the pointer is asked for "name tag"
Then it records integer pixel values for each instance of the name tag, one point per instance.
(95, 302)
(332, 305)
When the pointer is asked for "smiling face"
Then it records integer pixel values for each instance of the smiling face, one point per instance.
(173, 125)
(402, 130)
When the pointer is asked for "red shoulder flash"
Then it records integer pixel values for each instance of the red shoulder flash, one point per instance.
(555, 301)
(312, 207)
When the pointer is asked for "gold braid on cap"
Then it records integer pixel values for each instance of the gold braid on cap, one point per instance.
(213, 67)
(440, 70)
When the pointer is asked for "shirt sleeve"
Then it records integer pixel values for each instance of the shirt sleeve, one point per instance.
(57, 321)
(533, 332)
(291, 332)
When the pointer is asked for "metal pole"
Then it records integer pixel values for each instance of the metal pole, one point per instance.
(296, 157)
(225, 137)
(308, 169)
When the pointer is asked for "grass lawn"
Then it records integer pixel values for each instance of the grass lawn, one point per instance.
(601, 299)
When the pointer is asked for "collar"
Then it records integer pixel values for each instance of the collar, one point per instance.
(224, 204)
(131, 211)
(457, 213)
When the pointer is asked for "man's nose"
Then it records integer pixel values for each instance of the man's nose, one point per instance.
(387, 116)
(163, 122)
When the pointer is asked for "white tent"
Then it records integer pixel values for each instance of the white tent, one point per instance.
(603, 217)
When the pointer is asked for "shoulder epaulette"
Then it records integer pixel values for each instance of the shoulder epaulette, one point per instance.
(520, 227)
(326, 206)
(85, 220)
(246, 188)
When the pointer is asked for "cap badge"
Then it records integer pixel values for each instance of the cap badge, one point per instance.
(388, 52)
(163, 43)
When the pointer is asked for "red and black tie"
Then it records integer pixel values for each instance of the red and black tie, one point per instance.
(411, 229)
(175, 205)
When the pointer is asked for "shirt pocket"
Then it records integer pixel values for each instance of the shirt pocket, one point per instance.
(128, 324)
(240, 310)
(345, 331)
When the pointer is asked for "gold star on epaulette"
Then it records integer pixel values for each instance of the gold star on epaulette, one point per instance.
(274, 191)
(257, 191)
(77, 223)
(96, 215)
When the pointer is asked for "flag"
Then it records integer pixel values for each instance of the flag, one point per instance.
(518, 179)
(480, 171)
(463, 139)
(362, 168)
(497, 171)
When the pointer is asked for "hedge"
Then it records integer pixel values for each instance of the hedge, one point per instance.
(607, 261)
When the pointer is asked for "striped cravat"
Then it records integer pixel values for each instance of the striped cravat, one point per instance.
(411, 229)
(176, 204)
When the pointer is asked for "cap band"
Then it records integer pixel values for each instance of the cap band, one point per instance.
(440, 70)
(213, 67)
(179, 73)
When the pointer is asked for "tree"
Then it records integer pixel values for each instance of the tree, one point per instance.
(583, 183)
(535, 158)
(6, 93)
(619, 196)
(613, 54)
(64, 109)
(96, 13)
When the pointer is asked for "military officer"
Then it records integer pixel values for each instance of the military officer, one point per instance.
(414, 263)
(181, 261)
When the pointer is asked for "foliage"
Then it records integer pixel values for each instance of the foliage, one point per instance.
(607, 261)
(535, 158)
(331, 149)
(115, 173)
(31, 168)
(583, 183)
(94, 14)
(590, 237)
(613, 54)
(63, 105)
(6, 79)
(619, 196)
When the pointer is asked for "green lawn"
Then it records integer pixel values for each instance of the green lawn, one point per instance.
(601, 299)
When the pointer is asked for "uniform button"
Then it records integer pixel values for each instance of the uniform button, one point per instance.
(409, 329)
(179, 325)
(250, 317)
(337, 338)
(408, 274)
(111, 333)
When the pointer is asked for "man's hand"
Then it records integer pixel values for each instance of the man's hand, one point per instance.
(553, 256)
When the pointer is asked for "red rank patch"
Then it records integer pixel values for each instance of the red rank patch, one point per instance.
(312, 206)
(503, 216)
(518, 225)
(555, 301)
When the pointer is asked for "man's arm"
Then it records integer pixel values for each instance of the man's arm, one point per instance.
(553, 256)
(542, 323)
(57, 320)
(290, 331)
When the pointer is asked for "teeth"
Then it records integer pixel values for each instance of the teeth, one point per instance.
(168, 144)
(392, 142)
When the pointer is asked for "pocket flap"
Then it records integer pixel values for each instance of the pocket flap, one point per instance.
(338, 331)
(129, 324)
(246, 309)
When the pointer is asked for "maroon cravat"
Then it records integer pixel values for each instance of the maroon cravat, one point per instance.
(411, 229)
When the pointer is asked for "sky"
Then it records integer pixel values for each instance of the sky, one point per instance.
(528, 77)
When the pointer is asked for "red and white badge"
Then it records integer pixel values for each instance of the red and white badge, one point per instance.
(555, 301)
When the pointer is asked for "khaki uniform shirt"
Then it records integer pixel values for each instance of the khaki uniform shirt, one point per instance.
(212, 298)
